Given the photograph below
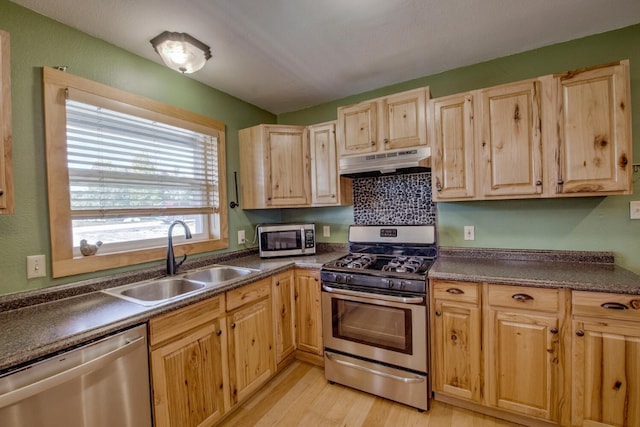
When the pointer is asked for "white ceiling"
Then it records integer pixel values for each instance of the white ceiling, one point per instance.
(283, 55)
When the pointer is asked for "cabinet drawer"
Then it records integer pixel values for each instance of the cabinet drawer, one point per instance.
(248, 293)
(524, 297)
(456, 291)
(170, 325)
(611, 306)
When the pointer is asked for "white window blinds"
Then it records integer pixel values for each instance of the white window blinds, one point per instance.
(119, 163)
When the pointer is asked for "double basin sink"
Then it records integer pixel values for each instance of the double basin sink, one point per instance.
(159, 291)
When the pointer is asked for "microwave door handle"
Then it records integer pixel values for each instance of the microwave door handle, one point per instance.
(303, 242)
(391, 298)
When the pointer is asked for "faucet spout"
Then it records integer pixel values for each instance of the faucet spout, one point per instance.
(172, 265)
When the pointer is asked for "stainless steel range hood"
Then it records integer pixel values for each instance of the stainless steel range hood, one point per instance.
(398, 161)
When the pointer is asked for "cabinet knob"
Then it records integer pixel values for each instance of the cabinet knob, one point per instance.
(1, 192)
(233, 325)
(386, 141)
(333, 196)
(373, 143)
(553, 330)
(580, 333)
(538, 182)
(454, 337)
(438, 313)
(560, 182)
(219, 332)
(278, 283)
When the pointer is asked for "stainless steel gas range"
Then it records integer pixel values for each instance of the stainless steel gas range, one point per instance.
(374, 312)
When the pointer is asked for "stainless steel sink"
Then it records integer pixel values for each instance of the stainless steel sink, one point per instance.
(219, 274)
(157, 291)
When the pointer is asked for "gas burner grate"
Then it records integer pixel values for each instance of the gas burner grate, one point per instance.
(404, 264)
(356, 261)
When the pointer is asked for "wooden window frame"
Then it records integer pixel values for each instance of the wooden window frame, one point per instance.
(6, 164)
(63, 261)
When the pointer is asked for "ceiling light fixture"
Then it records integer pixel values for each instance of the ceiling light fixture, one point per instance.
(181, 52)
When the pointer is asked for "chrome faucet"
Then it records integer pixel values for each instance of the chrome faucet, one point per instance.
(172, 265)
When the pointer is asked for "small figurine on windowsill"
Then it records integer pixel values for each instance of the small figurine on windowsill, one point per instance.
(87, 250)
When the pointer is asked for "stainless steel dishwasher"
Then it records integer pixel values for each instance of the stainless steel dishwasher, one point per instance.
(103, 383)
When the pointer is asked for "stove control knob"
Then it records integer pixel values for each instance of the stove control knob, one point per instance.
(339, 278)
(348, 279)
(389, 283)
(401, 284)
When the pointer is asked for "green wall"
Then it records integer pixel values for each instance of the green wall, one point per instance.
(37, 41)
(592, 223)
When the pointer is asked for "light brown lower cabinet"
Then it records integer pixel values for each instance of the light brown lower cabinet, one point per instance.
(282, 288)
(187, 359)
(308, 311)
(457, 339)
(250, 340)
(606, 360)
(523, 353)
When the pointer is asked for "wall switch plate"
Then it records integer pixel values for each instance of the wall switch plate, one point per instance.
(469, 232)
(326, 231)
(634, 210)
(241, 238)
(36, 266)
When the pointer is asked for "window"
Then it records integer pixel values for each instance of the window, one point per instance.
(121, 168)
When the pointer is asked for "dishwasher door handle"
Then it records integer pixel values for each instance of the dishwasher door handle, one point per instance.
(32, 389)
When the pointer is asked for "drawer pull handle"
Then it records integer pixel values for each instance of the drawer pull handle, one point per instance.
(614, 306)
(455, 291)
(522, 297)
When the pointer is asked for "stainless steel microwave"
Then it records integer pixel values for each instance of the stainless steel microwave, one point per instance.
(286, 239)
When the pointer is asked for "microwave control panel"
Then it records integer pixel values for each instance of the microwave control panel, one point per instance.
(309, 239)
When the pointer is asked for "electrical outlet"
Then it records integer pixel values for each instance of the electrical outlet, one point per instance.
(469, 232)
(634, 210)
(326, 231)
(241, 238)
(36, 266)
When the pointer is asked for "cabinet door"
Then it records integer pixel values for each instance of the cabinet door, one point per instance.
(324, 164)
(594, 121)
(288, 167)
(283, 314)
(308, 311)
(510, 157)
(523, 355)
(188, 387)
(251, 360)
(606, 373)
(451, 127)
(357, 129)
(403, 122)
(457, 350)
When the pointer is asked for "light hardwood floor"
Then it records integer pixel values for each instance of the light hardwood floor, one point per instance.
(300, 396)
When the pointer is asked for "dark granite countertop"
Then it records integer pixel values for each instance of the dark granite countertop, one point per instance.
(49, 323)
(588, 271)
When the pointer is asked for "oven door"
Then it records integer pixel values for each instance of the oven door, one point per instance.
(383, 328)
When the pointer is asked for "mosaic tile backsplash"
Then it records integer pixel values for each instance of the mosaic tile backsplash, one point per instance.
(394, 199)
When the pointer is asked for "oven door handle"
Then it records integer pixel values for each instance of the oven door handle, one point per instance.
(391, 298)
(407, 380)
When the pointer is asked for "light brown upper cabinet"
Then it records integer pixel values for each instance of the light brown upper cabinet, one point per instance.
(284, 166)
(555, 136)
(327, 187)
(590, 136)
(6, 164)
(392, 122)
(451, 129)
(274, 167)
(510, 151)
